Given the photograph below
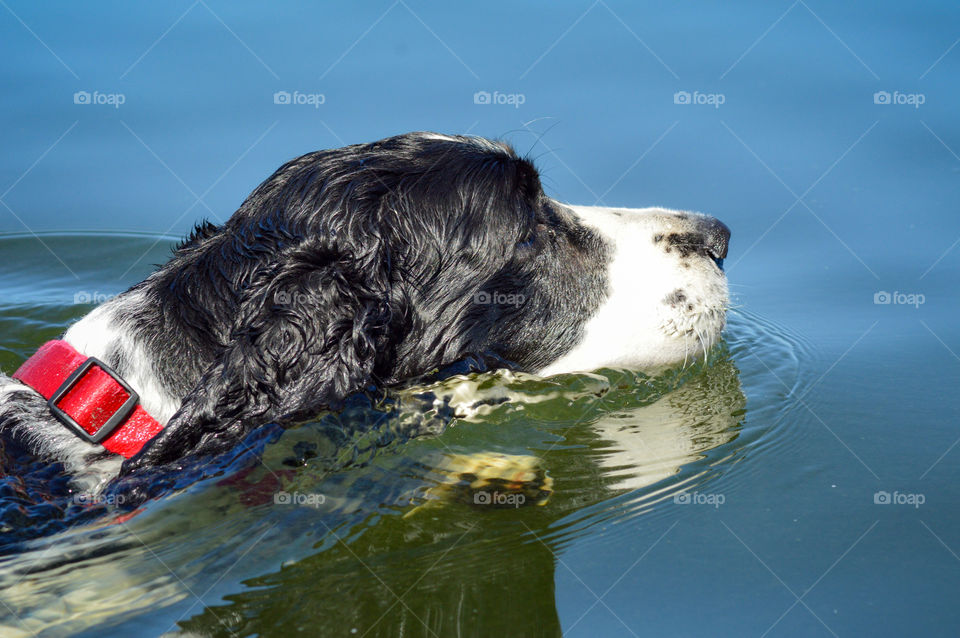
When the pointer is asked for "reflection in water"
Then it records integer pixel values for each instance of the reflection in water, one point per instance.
(350, 559)
(461, 570)
(644, 445)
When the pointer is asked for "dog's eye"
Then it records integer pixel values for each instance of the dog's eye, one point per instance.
(531, 237)
(540, 230)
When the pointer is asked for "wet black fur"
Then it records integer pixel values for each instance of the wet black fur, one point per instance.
(357, 267)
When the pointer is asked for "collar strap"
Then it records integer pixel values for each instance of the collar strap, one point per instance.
(90, 398)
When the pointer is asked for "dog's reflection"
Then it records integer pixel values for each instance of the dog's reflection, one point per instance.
(464, 569)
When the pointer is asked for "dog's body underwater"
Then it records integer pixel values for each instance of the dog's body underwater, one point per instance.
(364, 266)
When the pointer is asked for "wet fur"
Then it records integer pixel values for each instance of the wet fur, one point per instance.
(346, 269)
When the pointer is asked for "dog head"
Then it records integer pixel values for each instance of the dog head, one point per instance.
(411, 252)
(373, 263)
(432, 247)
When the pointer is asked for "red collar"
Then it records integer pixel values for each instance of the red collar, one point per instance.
(90, 398)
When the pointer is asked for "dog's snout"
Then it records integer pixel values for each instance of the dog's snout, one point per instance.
(716, 237)
(703, 235)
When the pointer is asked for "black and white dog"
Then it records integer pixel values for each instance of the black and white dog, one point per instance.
(357, 267)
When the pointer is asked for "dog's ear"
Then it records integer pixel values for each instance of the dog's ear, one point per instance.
(309, 333)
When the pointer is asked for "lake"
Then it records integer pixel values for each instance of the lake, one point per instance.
(802, 481)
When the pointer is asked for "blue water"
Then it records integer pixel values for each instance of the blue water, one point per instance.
(832, 197)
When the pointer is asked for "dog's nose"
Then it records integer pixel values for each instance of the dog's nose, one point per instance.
(702, 235)
(716, 237)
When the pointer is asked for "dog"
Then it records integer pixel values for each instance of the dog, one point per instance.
(357, 268)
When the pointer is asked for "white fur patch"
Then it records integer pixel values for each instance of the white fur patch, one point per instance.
(106, 331)
(635, 328)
